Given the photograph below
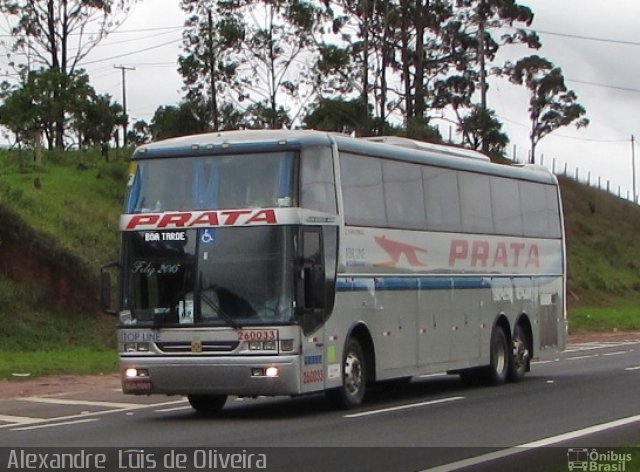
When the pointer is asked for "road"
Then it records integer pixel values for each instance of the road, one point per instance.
(585, 398)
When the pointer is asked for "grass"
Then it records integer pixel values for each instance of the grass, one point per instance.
(76, 200)
(623, 316)
(37, 340)
(72, 360)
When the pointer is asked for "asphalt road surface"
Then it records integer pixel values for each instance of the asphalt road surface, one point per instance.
(583, 406)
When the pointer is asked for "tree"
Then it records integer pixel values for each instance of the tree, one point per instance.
(96, 118)
(57, 35)
(551, 105)
(211, 41)
(34, 108)
(478, 18)
(171, 121)
(481, 130)
(140, 133)
(343, 116)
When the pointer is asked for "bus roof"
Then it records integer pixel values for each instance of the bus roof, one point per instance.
(390, 147)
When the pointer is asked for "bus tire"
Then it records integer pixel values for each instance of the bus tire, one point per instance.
(520, 355)
(500, 355)
(207, 403)
(354, 378)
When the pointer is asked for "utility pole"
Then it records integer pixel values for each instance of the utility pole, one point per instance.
(633, 168)
(124, 100)
(212, 73)
(482, 19)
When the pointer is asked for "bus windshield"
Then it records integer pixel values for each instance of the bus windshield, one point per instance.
(216, 277)
(256, 180)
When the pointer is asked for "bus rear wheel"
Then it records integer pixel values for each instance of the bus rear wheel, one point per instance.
(354, 378)
(207, 403)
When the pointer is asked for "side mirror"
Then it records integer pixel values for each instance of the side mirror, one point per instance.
(106, 292)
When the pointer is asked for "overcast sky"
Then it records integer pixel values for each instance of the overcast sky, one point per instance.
(603, 72)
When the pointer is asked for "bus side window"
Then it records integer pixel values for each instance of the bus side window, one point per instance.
(317, 189)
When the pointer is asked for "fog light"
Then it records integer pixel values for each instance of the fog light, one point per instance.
(131, 373)
(257, 372)
(255, 346)
(271, 372)
(286, 345)
(143, 347)
(129, 347)
(269, 345)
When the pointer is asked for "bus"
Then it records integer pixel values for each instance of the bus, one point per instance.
(291, 262)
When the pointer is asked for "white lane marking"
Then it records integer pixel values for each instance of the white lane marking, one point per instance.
(51, 425)
(101, 413)
(70, 401)
(575, 358)
(614, 353)
(492, 456)
(176, 408)
(600, 345)
(19, 419)
(633, 368)
(544, 362)
(403, 407)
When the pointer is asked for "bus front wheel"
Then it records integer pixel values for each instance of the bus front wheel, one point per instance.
(354, 378)
(207, 403)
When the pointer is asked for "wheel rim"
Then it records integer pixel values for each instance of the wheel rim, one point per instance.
(520, 352)
(500, 357)
(352, 374)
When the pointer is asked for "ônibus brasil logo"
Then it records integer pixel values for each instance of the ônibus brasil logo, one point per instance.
(592, 460)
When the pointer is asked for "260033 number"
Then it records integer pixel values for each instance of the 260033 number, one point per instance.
(263, 335)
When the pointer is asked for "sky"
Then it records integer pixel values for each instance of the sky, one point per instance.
(596, 43)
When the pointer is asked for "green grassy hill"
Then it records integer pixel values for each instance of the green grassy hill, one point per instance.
(59, 224)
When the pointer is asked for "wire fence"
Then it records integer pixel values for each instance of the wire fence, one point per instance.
(591, 179)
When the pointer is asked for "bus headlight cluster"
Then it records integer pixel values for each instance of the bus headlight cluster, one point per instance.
(136, 347)
(262, 345)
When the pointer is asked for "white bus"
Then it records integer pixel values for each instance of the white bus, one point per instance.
(290, 262)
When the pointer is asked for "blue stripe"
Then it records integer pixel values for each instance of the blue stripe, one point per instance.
(355, 284)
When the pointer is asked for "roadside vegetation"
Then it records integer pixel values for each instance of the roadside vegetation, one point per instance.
(65, 212)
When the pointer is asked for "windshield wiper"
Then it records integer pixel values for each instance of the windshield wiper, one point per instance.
(219, 311)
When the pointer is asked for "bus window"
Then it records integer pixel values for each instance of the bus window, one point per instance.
(441, 200)
(475, 203)
(362, 190)
(505, 200)
(403, 197)
(317, 188)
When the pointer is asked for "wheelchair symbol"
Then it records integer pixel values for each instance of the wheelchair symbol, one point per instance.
(207, 236)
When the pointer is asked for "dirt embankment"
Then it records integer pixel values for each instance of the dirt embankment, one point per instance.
(35, 260)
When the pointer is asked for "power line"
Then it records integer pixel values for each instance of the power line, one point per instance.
(559, 135)
(596, 84)
(130, 53)
(586, 38)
